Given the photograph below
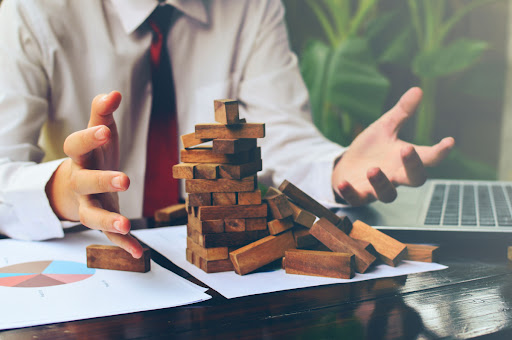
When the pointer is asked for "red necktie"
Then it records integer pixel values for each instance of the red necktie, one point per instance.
(160, 189)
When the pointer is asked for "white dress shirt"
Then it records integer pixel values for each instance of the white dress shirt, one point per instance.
(57, 55)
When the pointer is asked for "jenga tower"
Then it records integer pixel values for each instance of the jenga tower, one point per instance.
(224, 204)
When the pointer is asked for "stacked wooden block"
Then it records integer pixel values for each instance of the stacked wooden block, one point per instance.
(224, 204)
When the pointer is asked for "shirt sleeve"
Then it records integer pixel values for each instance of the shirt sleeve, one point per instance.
(272, 91)
(25, 212)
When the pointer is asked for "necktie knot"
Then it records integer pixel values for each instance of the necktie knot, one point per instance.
(159, 21)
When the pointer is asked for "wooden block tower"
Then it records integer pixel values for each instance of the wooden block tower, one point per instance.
(224, 205)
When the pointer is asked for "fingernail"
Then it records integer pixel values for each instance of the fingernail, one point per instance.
(116, 182)
(117, 226)
(100, 133)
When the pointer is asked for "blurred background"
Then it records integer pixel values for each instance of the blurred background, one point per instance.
(358, 57)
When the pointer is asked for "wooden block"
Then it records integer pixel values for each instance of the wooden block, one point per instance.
(183, 171)
(306, 202)
(366, 246)
(302, 217)
(189, 140)
(509, 253)
(230, 171)
(338, 241)
(278, 226)
(173, 212)
(233, 146)
(230, 239)
(256, 223)
(345, 224)
(199, 199)
(279, 206)
(261, 252)
(206, 227)
(224, 198)
(116, 258)
(319, 263)
(390, 251)
(193, 186)
(219, 253)
(226, 111)
(236, 131)
(190, 255)
(249, 197)
(209, 266)
(228, 212)
(206, 171)
(421, 252)
(234, 225)
(303, 239)
(206, 155)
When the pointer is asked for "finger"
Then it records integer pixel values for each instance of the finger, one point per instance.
(94, 216)
(349, 194)
(433, 155)
(103, 107)
(79, 144)
(403, 110)
(87, 182)
(413, 166)
(384, 190)
(127, 242)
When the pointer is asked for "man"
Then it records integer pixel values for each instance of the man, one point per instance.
(57, 55)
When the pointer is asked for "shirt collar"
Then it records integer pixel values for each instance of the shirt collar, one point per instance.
(133, 13)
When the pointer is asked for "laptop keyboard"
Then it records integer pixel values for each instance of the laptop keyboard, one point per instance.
(470, 205)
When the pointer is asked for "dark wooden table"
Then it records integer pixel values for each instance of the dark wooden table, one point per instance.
(470, 299)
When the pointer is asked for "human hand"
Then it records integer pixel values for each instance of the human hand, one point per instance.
(377, 161)
(85, 186)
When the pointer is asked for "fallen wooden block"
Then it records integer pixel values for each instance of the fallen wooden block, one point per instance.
(237, 211)
(233, 146)
(226, 111)
(224, 198)
(421, 252)
(390, 251)
(338, 241)
(249, 197)
(236, 131)
(173, 212)
(278, 204)
(230, 171)
(193, 186)
(234, 225)
(303, 239)
(259, 223)
(302, 217)
(116, 258)
(206, 171)
(206, 155)
(306, 202)
(261, 252)
(183, 171)
(189, 140)
(218, 253)
(278, 226)
(209, 266)
(319, 263)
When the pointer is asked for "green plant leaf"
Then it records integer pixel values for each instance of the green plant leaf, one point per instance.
(452, 58)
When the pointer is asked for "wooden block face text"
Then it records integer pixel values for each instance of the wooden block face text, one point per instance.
(305, 201)
(234, 225)
(319, 263)
(219, 253)
(261, 252)
(173, 212)
(256, 223)
(193, 186)
(279, 206)
(206, 155)
(278, 226)
(199, 199)
(206, 171)
(230, 171)
(236, 131)
(233, 146)
(226, 111)
(189, 140)
(303, 239)
(229, 212)
(230, 239)
(338, 241)
(390, 251)
(183, 171)
(249, 197)
(224, 198)
(302, 217)
(421, 252)
(116, 258)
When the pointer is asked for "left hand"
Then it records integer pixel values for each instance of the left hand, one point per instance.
(377, 161)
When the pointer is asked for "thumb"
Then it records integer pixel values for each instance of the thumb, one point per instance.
(403, 109)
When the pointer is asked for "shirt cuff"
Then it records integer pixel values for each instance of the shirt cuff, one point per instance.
(29, 205)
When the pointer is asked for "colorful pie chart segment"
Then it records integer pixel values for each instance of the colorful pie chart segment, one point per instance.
(44, 273)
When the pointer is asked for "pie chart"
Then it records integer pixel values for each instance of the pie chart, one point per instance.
(44, 273)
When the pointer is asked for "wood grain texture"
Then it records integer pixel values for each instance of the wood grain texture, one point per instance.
(278, 226)
(220, 185)
(233, 146)
(303, 239)
(421, 252)
(319, 263)
(189, 140)
(390, 251)
(176, 211)
(206, 171)
(257, 254)
(279, 206)
(183, 171)
(228, 239)
(219, 253)
(224, 198)
(256, 223)
(249, 197)
(206, 155)
(237, 211)
(116, 258)
(205, 227)
(236, 131)
(208, 266)
(239, 171)
(302, 217)
(199, 199)
(226, 111)
(338, 241)
(233, 225)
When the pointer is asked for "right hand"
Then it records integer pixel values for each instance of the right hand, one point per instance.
(84, 187)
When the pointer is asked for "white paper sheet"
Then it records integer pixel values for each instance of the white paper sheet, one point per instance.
(90, 292)
(171, 242)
